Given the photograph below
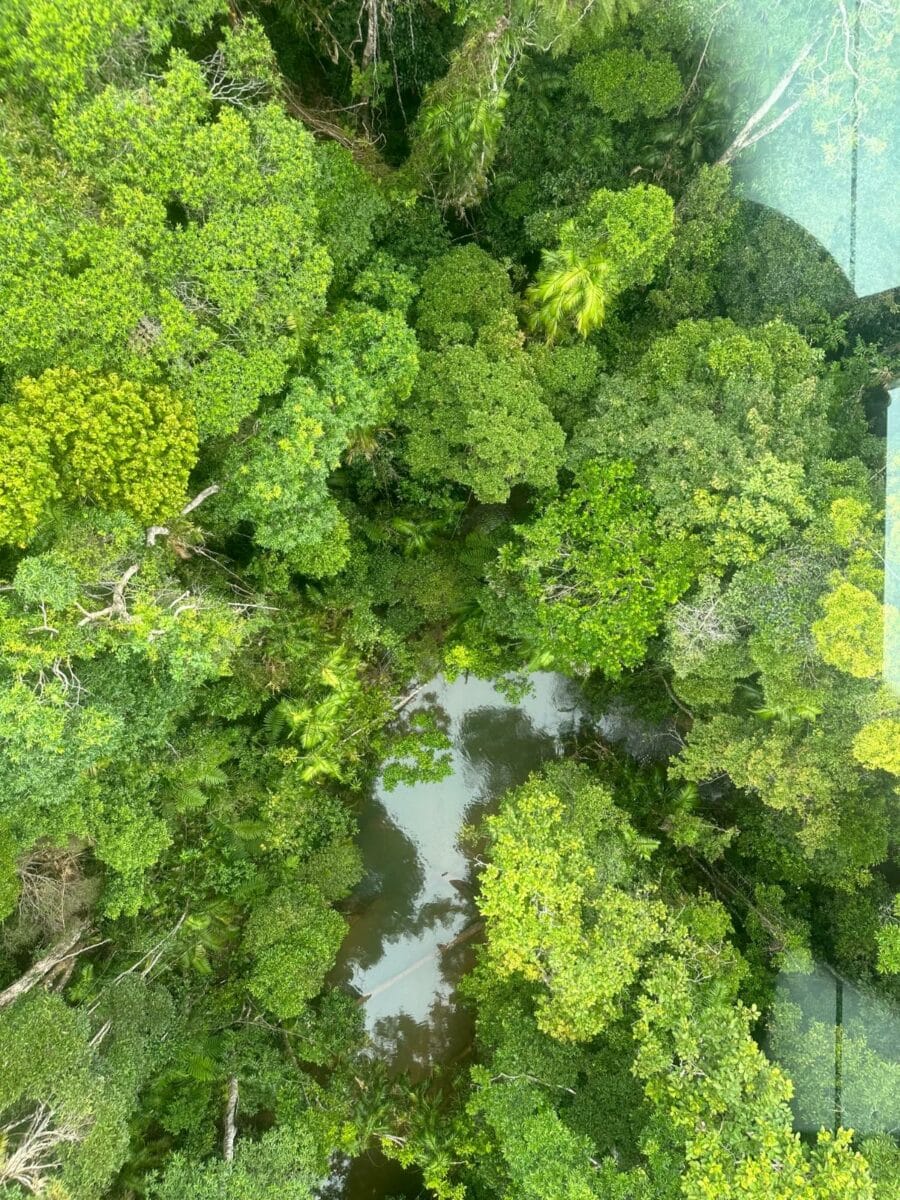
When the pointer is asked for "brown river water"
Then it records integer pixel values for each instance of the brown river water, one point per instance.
(418, 894)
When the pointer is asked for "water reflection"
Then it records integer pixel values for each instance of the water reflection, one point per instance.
(643, 740)
(373, 1177)
(500, 748)
(417, 894)
(401, 1037)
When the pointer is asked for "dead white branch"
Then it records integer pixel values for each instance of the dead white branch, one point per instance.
(749, 132)
(224, 87)
(370, 50)
(407, 699)
(199, 499)
(773, 125)
(46, 877)
(31, 1147)
(153, 955)
(117, 606)
(702, 59)
(157, 531)
(100, 1034)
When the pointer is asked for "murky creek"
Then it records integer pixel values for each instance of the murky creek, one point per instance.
(415, 920)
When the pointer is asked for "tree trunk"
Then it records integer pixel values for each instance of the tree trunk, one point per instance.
(370, 50)
(41, 968)
(438, 952)
(230, 1114)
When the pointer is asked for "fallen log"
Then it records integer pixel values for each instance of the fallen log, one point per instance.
(439, 951)
(42, 967)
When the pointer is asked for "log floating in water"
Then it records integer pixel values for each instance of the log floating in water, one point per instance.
(439, 951)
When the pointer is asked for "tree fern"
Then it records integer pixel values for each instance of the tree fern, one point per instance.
(192, 776)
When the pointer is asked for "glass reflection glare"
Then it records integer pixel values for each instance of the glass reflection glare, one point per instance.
(820, 146)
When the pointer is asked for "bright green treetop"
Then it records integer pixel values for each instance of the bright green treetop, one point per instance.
(588, 582)
(95, 438)
(556, 915)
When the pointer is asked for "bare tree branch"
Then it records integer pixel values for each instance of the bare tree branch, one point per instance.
(34, 1141)
(157, 531)
(702, 60)
(370, 50)
(199, 498)
(438, 952)
(773, 125)
(117, 606)
(743, 138)
(154, 954)
(400, 704)
(100, 1034)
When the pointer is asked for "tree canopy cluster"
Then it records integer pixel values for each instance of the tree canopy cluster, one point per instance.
(344, 344)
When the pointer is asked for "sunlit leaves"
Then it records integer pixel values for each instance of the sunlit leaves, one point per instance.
(61, 48)
(552, 916)
(462, 292)
(624, 83)
(188, 250)
(284, 1164)
(481, 422)
(96, 438)
(723, 1122)
(877, 745)
(723, 425)
(850, 633)
(278, 478)
(594, 575)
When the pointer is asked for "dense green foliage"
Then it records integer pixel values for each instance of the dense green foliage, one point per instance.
(343, 345)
